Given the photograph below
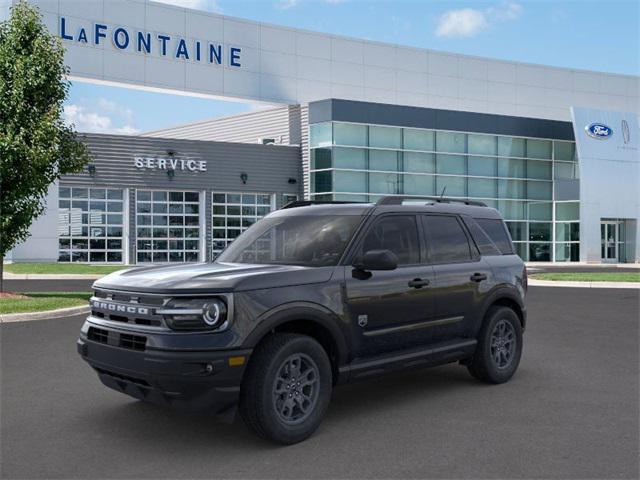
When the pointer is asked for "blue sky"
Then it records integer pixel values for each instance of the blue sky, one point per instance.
(597, 35)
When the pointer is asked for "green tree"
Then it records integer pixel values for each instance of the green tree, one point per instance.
(36, 147)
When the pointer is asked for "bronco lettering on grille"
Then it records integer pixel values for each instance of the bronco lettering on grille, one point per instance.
(115, 307)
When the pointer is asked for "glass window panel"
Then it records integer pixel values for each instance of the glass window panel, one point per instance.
(419, 184)
(385, 137)
(539, 232)
(511, 189)
(349, 158)
(144, 220)
(511, 167)
(97, 244)
(512, 210)
(162, 196)
(522, 251)
(64, 192)
(538, 169)
(383, 183)
(143, 207)
(320, 158)
(539, 211)
(265, 199)
(483, 144)
(80, 192)
(383, 160)
(518, 231)
(114, 194)
(233, 198)
(567, 232)
(79, 204)
(483, 166)
(350, 181)
(248, 199)
(451, 186)
(419, 162)
(161, 219)
(511, 147)
(539, 252)
(451, 142)
(235, 210)
(567, 252)
(159, 208)
(191, 208)
(419, 139)
(97, 206)
(567, 211)
(219, 198)
(564, 150)
(176, 208)
(97, 193)
(64, 203)
(143, 196)
(350, 134)
(538, 149)
(453, 164)
(114, 207)
(539, 190)
(191, 197)
(97, 232)
(320, 134)
(483, 188)
(321, 181)
(97, 257)
(566, 171)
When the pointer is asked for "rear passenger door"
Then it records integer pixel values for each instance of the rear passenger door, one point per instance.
(461, 277)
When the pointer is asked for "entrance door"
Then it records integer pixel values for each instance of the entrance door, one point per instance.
(609, 241)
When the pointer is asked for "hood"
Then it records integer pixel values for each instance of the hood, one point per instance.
(211, 277)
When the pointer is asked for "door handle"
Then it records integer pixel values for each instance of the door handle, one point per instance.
(478, 277)
(418, 283)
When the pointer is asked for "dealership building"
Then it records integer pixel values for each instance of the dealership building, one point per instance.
(555, 150)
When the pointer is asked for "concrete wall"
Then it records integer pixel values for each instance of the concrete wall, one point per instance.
(292, 66)
(281, 124)
(609, 178)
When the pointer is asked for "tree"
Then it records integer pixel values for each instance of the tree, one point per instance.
(36, 146)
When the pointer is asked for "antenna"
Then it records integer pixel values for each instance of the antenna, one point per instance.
(442, 194)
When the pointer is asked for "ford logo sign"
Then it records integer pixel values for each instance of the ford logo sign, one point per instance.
(599, 131)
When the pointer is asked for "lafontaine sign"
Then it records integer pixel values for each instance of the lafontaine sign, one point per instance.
(171, 163)
(160, 44)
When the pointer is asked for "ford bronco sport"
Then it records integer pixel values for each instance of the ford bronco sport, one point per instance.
(309, 297)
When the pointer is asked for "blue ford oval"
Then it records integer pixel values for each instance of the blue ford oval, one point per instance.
(599, 130)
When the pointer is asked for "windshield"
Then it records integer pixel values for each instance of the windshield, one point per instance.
(310, 241)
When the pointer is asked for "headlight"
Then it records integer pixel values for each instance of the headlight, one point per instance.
(195, 314)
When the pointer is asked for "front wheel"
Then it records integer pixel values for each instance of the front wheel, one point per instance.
(499, 346)
(287, 388)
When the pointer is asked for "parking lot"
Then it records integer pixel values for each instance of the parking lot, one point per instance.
(571, 411)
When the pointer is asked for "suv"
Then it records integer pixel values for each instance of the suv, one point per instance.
(309, 297)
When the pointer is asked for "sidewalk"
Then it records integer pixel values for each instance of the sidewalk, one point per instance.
(52, 276)
(573, 284)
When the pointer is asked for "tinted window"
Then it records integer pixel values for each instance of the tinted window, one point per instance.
(482, 240)
(398, 234)
(446, 239)
(497, 233)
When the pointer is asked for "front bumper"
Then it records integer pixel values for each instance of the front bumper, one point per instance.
(186, 380)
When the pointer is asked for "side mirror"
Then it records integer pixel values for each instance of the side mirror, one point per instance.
(377, 260)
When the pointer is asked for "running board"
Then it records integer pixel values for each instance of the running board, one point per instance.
(438, 354)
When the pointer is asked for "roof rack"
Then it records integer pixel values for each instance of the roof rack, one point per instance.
(398, 199)
(306, 203)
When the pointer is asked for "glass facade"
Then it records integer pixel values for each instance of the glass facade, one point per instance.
(90, 225)
(167, 226)
(357, 162)
(233, 213)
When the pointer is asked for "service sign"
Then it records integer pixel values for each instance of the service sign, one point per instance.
(170, 163)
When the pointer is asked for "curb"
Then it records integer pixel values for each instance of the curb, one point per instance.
(552, 283)
(50, 276)
(49, 314)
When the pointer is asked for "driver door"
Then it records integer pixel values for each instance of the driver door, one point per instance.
(387, 308)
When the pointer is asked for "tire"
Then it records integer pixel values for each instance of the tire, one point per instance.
(497, 364)
(273, 405)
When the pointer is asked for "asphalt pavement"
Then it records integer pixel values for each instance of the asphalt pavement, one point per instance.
(571, 411)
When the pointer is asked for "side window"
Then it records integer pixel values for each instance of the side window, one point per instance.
(484, 243)
(446, 239)
(398, 233)
(497, 232)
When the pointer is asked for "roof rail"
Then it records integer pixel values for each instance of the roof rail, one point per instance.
(306, 203)
(398, 199)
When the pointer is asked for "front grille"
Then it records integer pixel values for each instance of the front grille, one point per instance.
(133, 342)
(98, 335)
(128, 308)
(122, 340)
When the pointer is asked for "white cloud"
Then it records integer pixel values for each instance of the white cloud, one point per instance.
(467, 22)
(286, 4)
(105, 117)
(207, 5)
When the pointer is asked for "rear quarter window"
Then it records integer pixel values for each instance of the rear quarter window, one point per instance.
(497, 232)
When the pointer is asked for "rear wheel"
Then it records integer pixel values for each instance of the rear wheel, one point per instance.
(287, 388)
(499, 347)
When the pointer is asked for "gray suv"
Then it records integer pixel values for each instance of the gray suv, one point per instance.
(309, 297)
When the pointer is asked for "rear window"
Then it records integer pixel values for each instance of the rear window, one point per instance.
(497, 232)
(482, 240)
